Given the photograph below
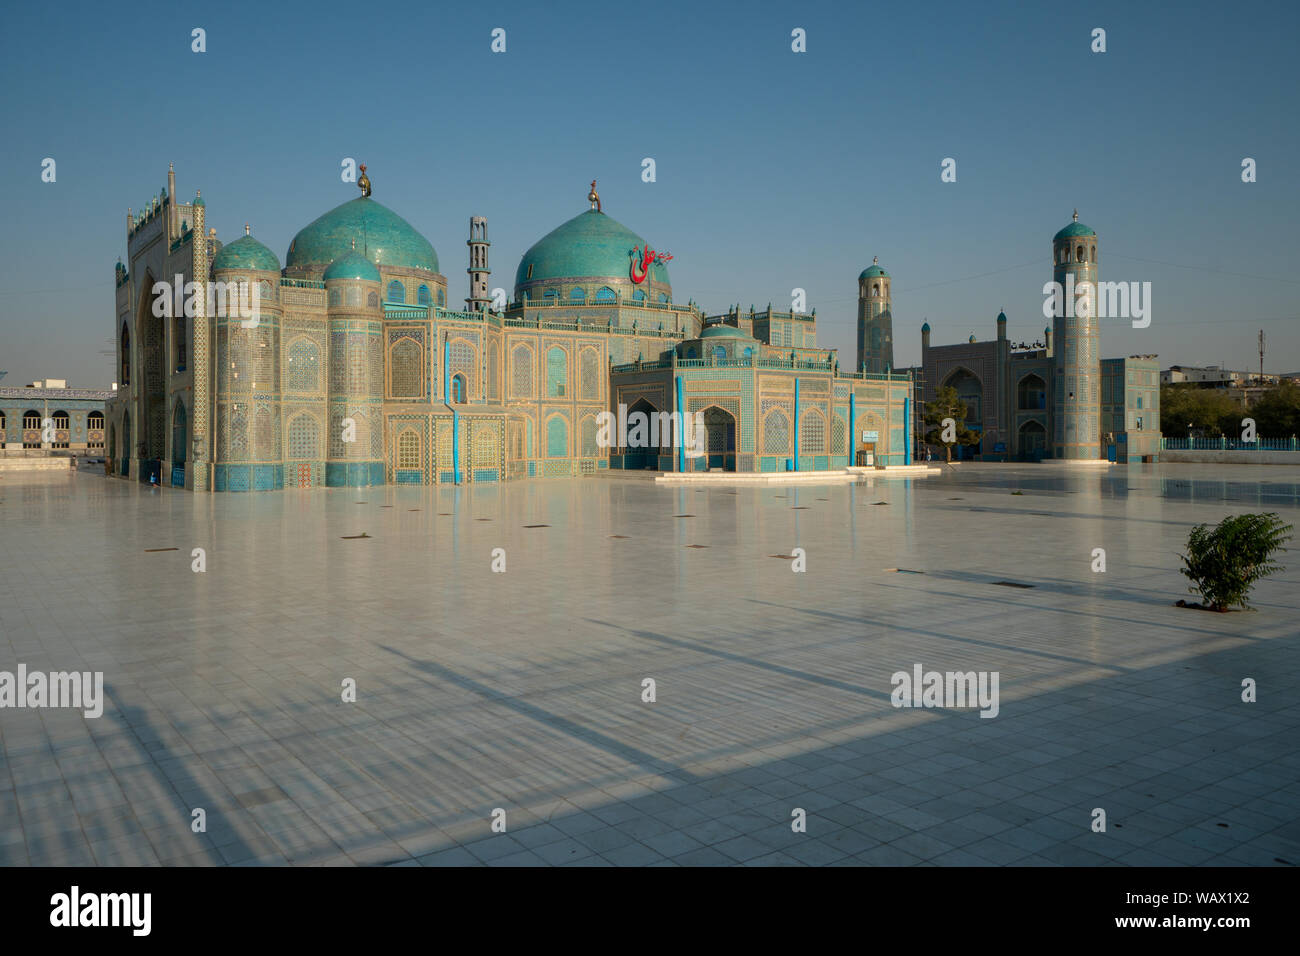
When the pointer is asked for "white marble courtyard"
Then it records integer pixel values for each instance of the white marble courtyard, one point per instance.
(523, 690)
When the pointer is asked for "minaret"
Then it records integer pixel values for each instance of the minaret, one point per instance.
(172, 222)
(201, 339)
(1076, 359)
(478, 270)
(875, 320)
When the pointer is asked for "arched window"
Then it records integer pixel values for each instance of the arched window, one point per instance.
(304, 366)
(551, 296)
(875, 289)
(354, 296)
(1139, 398)
(405, 369)
(638, 295)
(126, 355)
(521, 372)
(1081, 254)
(776, 433)
(748, 353)
(663, 296)
(1031, 393)
(60, 419)
(578, 294)
(719, 353)
(493, 365)
(372, 300)
(812, 433)
(31, 428)
(606, 294)
(458, 390)
(587, 446)
(557, 437)
(1093, 253)
(408, 449)
(178, 333)
(556, 372)
(422, 296)
(589, 374)
(464, 360)
(396, 292)
(336, 296)
(442, 299)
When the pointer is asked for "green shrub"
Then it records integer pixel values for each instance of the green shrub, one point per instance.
(1225, 561)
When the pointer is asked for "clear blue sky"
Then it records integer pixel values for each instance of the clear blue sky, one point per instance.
(775, 170)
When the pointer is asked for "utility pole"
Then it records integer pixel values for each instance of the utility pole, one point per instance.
(1261, 356)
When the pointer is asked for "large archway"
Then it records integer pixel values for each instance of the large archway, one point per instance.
(124, 468)
(153, 391)
(642, 456)
(970, 391)
(179, 440)
(1032, 441)
(720, 438)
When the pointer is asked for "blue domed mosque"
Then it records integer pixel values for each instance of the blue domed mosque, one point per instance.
(355, 370)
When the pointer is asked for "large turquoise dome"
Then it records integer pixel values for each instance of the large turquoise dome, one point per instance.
(386, 238)
(591, 245)
(246, 253)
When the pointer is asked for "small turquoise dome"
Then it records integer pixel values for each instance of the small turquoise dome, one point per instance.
(246, 253)
(972, 338)
(591, 245)
(1075, 228)
(352, 266)
(1002, 317)
(723, 332)
(871, 271)
(925, 327)
(387, 238)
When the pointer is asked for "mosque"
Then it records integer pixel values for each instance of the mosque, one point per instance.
(356, 371)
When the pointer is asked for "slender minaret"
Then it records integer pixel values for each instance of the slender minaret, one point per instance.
(1076, 356)
(172, 222)
(875, 320)
(478, 270)
(201, 415)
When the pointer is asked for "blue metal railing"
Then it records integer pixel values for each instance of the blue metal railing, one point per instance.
(1223, 443)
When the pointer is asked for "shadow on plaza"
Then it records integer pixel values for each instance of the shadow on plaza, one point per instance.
(941, 786)
(897, 796)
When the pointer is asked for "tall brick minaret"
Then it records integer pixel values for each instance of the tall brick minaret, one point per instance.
(1076, 345)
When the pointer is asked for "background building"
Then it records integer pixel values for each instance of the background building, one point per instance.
(1055, 398)
(75, 417)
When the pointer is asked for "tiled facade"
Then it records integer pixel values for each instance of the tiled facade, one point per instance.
(75, 418)
(356, 373)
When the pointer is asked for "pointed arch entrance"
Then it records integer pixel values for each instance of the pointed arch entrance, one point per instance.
(720, 438)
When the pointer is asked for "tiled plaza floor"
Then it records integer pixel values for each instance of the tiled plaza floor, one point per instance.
(522, 690)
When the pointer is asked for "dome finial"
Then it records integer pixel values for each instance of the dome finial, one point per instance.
(875, 260)
(247, 231)
(364, 183)
(1076, 215)
(593, 197)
